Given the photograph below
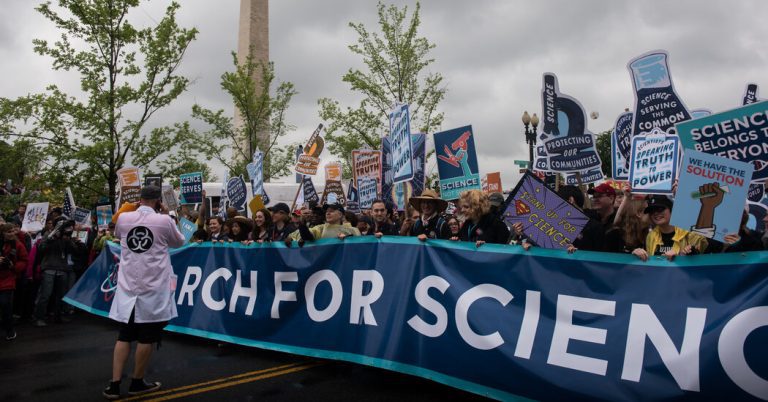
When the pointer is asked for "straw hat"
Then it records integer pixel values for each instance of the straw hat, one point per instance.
(429, 195)
(245, 223)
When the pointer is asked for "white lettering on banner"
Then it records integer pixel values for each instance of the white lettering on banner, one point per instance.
(565, 330)
(730, 347)
(683, 365)
(530, 324)
(363, 302)
(215, 305)
(242, 291)
(188, 288)
(482, 342)
(337, 293)
(280, 294)
(643, 326)
(421, 294)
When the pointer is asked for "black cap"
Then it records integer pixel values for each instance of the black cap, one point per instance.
(335, 206)
(657, 202)
(151, 192)
(280, 206)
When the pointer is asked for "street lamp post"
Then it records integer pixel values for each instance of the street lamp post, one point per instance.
(530, 123)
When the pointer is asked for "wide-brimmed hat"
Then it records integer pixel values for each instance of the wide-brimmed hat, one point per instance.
(428, 195)
(246, 223)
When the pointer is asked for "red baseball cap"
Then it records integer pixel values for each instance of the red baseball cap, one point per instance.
(603, 188)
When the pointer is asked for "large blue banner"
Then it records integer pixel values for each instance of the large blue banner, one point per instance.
(493, 320)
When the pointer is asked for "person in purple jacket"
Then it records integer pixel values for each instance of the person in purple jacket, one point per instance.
(143, 302)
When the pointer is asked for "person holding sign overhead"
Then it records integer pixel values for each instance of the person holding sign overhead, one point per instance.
(667, 240)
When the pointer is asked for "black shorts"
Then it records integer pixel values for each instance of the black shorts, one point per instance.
(145, 332)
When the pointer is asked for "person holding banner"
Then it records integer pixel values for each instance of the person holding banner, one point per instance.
(481, 226)
(143, 302)
(603, 199)
(262, 226)
(630, 227)
(239, 229)
(215, 231)
(381, 226)
(430, 224)
(334, 227)
(281, 226)
(667, 240)
(13, 261)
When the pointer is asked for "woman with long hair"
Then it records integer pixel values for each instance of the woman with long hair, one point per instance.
(262, 227)
(239, 228)
(480, 226)
(630, 228)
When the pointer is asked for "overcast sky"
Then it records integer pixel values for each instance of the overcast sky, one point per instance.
(491, 53)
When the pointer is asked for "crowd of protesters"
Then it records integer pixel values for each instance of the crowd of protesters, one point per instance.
(37, 269)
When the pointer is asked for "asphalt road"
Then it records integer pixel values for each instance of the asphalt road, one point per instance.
(72, 362)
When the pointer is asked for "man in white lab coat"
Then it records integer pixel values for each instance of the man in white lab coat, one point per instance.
(144, 301)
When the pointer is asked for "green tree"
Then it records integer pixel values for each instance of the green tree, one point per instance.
(126, 74)
(396, 60)
(603, 146)
(261, 112)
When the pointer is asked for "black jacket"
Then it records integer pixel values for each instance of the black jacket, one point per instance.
(489, 229)
(436, 228)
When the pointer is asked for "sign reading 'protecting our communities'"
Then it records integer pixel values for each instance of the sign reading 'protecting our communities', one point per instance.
(739, 134)
(400, 140)
(653, 168)
(457, 162)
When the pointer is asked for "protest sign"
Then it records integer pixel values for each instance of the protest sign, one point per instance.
(653, 167)
(191, 188)
(711, 194)
(256, 204)
(621, 137)
(256, 173)
(151, 179)
(333, 171)
(366, 191)
(739, 134)
(456, 162)
(81, 235)
(187, 228)
(34, 217)
(367, 163)
(353, 199)
(400, 141)
(750, 95)
(333, 193)
(169, 197)
(308, 189)
(540, 324)
(590, 176)
(103, 216)
(68, 207)
(129, 176)
(657, 105)
(619, 165)
(756, 192)
(491, 183)
(130, 194)
(82, 216)
(309, 161)
(699, 113)
(398, 194)
(236, 192)
(299, 151)
(548, 220)
(566, 144)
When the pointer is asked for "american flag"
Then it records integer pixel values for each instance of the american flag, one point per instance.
(69, 203)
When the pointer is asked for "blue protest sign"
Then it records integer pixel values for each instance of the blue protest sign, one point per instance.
(699, 113)
(103, 215)
(366, 192)
(256, 174)
(237, 192)
(653, 167)
(587, 177)
(756, 192)
(540, 324)
(310, 194)
(657, 105)
(400, 140)
(548, 220)
(82, 216)
(711, 194)
(456, 162)
(353, 200)
(398, 194)
(187, 228)
(566, 144)
(621, 136)
(739, 134)
(619, 164)
(191, 188)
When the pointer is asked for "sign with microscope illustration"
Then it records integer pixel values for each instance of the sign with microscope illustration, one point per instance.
(711, 194)
(739, 134)
(566, 144)
(653, 167)
(456, 162)
(657, 105)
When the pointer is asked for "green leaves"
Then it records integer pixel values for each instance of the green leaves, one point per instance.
(396, 61)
